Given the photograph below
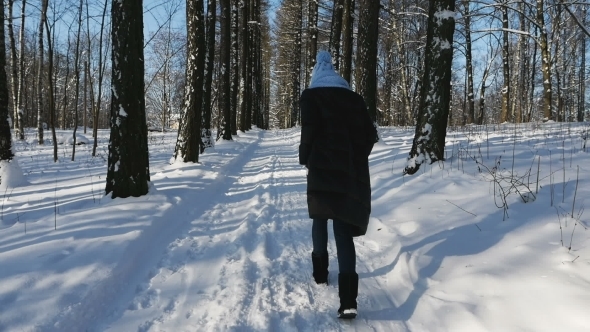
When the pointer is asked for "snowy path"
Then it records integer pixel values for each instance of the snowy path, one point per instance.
(244, 263)
(224, 245)
(238, 261)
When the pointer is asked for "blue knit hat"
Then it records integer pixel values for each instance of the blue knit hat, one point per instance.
(324, 75)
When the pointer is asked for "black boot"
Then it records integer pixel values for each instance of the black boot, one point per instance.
(320, 268)
(348, 284)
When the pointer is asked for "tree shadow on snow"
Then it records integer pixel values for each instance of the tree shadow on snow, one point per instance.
(461, 241)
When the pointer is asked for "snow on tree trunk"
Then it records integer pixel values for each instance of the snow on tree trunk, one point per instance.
(545, 61)
(206, 139)
(336, 32)
(505, 113)
(312, 27)
(244, 83)
(435, 94)
(235, 61)
(189, 133)
(128, 170)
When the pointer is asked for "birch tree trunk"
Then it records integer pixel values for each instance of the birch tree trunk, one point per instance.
(505, 112)
(14, 70)
(545, 62)
(21, 70)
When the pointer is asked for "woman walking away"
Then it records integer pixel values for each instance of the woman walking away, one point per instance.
(337, 136)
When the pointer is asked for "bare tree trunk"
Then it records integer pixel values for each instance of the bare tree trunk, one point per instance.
(85, 107)
(582, 89)
(21, 69)
(257, 67)
(50, 85)
(296, 67)
(14, 70)
(347, 39)
(505, 113)
(100, 77)
(225, 67)
(522, 64)
(545, 62)
(366, 56)
(336, 32)
(559, 76)
(469, 63)
(245, 85)
(165, 73)
(42, 20)
(65, 92)
(250, 60)
(407, 115)
(77, 78)
(235, 71)
(206, 139)
(312, 27)
(435, 94)
(188, 143)
(5, 136)
(128, 170)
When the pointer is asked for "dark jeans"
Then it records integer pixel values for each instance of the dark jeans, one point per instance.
(344, 244)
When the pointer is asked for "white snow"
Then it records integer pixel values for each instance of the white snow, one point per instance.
(11, 177)
(68, 138)
(444, 14)
(224, 245)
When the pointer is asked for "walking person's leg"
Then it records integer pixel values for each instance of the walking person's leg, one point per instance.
(347, 278)
(319, 255)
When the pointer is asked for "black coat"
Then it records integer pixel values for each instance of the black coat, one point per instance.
(337, 136)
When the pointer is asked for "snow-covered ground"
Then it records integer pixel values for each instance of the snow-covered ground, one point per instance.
(224, 245)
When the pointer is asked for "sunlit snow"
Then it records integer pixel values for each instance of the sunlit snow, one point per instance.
(224, 245)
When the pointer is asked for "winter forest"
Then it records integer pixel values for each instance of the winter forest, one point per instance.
(149, 173)
(248, 61)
